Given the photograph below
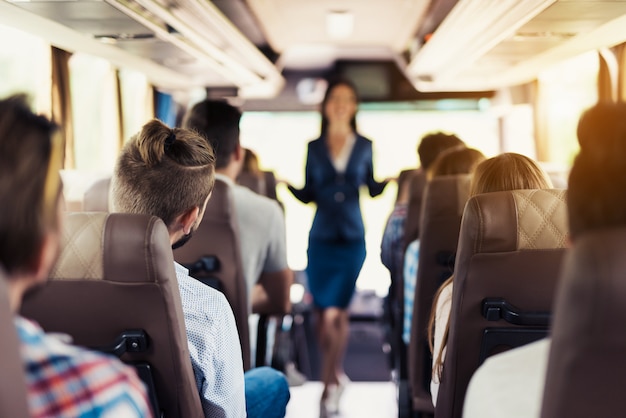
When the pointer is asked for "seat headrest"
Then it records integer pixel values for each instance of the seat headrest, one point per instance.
(515, 220)
(220, 204)
(97, 198)
(450, 192)
(103, 246)
(254, 182)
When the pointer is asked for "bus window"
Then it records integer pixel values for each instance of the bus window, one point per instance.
(565, 90)
(25, 67)
(137, 102)
(95, 113)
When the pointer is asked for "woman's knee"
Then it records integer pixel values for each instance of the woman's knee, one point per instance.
(333, 316)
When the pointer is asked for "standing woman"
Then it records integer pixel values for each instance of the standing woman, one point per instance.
(338, 163)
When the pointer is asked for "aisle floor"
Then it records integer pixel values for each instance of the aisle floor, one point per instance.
(360, 400)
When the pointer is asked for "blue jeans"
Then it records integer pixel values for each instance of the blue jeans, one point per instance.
(267, 393)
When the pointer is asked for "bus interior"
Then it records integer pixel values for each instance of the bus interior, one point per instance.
(503, 75)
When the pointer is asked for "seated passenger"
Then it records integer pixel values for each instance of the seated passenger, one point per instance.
(511, 384)
(169, 173)
(431, 145)
(507, 171)
(392, 244)
(392, 247)
(453, 161)
(260, 219)
(62, 380)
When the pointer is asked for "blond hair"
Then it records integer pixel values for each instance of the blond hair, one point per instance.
(508, 171)
(163, 172)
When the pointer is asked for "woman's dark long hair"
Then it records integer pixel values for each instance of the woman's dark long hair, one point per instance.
(331, 85)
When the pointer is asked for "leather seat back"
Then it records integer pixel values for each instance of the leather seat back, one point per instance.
(417, 184)
(217, 240)
(442, 209)
(116, 273)
(252, 181)
(96, 198)
(13, 397)
(510, 249)
(586, 372)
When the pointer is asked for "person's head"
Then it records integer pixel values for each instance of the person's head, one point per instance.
(432, 144)
(168, 173)
(218, 122)
(339, 104)
(508, 171)
(595, 196)
(457, 160)
(30, 191)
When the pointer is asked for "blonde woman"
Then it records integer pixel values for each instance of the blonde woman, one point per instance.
(507, 171)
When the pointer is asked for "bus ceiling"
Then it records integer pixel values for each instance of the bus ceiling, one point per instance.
(266, 49)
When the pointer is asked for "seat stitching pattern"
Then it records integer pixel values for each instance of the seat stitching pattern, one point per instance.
(542, 219)
(81, 255)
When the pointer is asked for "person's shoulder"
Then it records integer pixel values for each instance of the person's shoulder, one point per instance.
(255, 200)
(316, 143)
(194, 291)
(363, 140)
(60, 367)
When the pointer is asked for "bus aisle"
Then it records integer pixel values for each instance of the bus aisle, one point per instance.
(371, 393)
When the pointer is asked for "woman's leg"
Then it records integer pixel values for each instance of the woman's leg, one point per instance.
(344, 333)
(332, 345)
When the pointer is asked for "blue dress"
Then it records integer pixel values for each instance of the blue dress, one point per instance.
(337, 238)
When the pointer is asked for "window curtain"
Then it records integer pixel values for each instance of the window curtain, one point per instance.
(540, 115)
(607, 74)
(620, 54)
(62, 103)
(165, 108)
(120, 109)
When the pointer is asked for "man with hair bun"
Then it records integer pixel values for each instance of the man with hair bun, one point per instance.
(170, 173)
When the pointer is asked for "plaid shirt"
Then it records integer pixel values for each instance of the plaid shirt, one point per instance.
(68, 381)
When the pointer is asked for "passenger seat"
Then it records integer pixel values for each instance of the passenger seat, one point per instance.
(443, 203)
(96, 198)
(507, 266)
(586, 373)
(213, 256)
(13, 395)
(114, 288)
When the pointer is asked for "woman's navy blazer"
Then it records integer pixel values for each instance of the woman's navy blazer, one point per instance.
(338, 215)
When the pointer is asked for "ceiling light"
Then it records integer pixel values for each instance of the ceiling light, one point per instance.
(339, 24)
